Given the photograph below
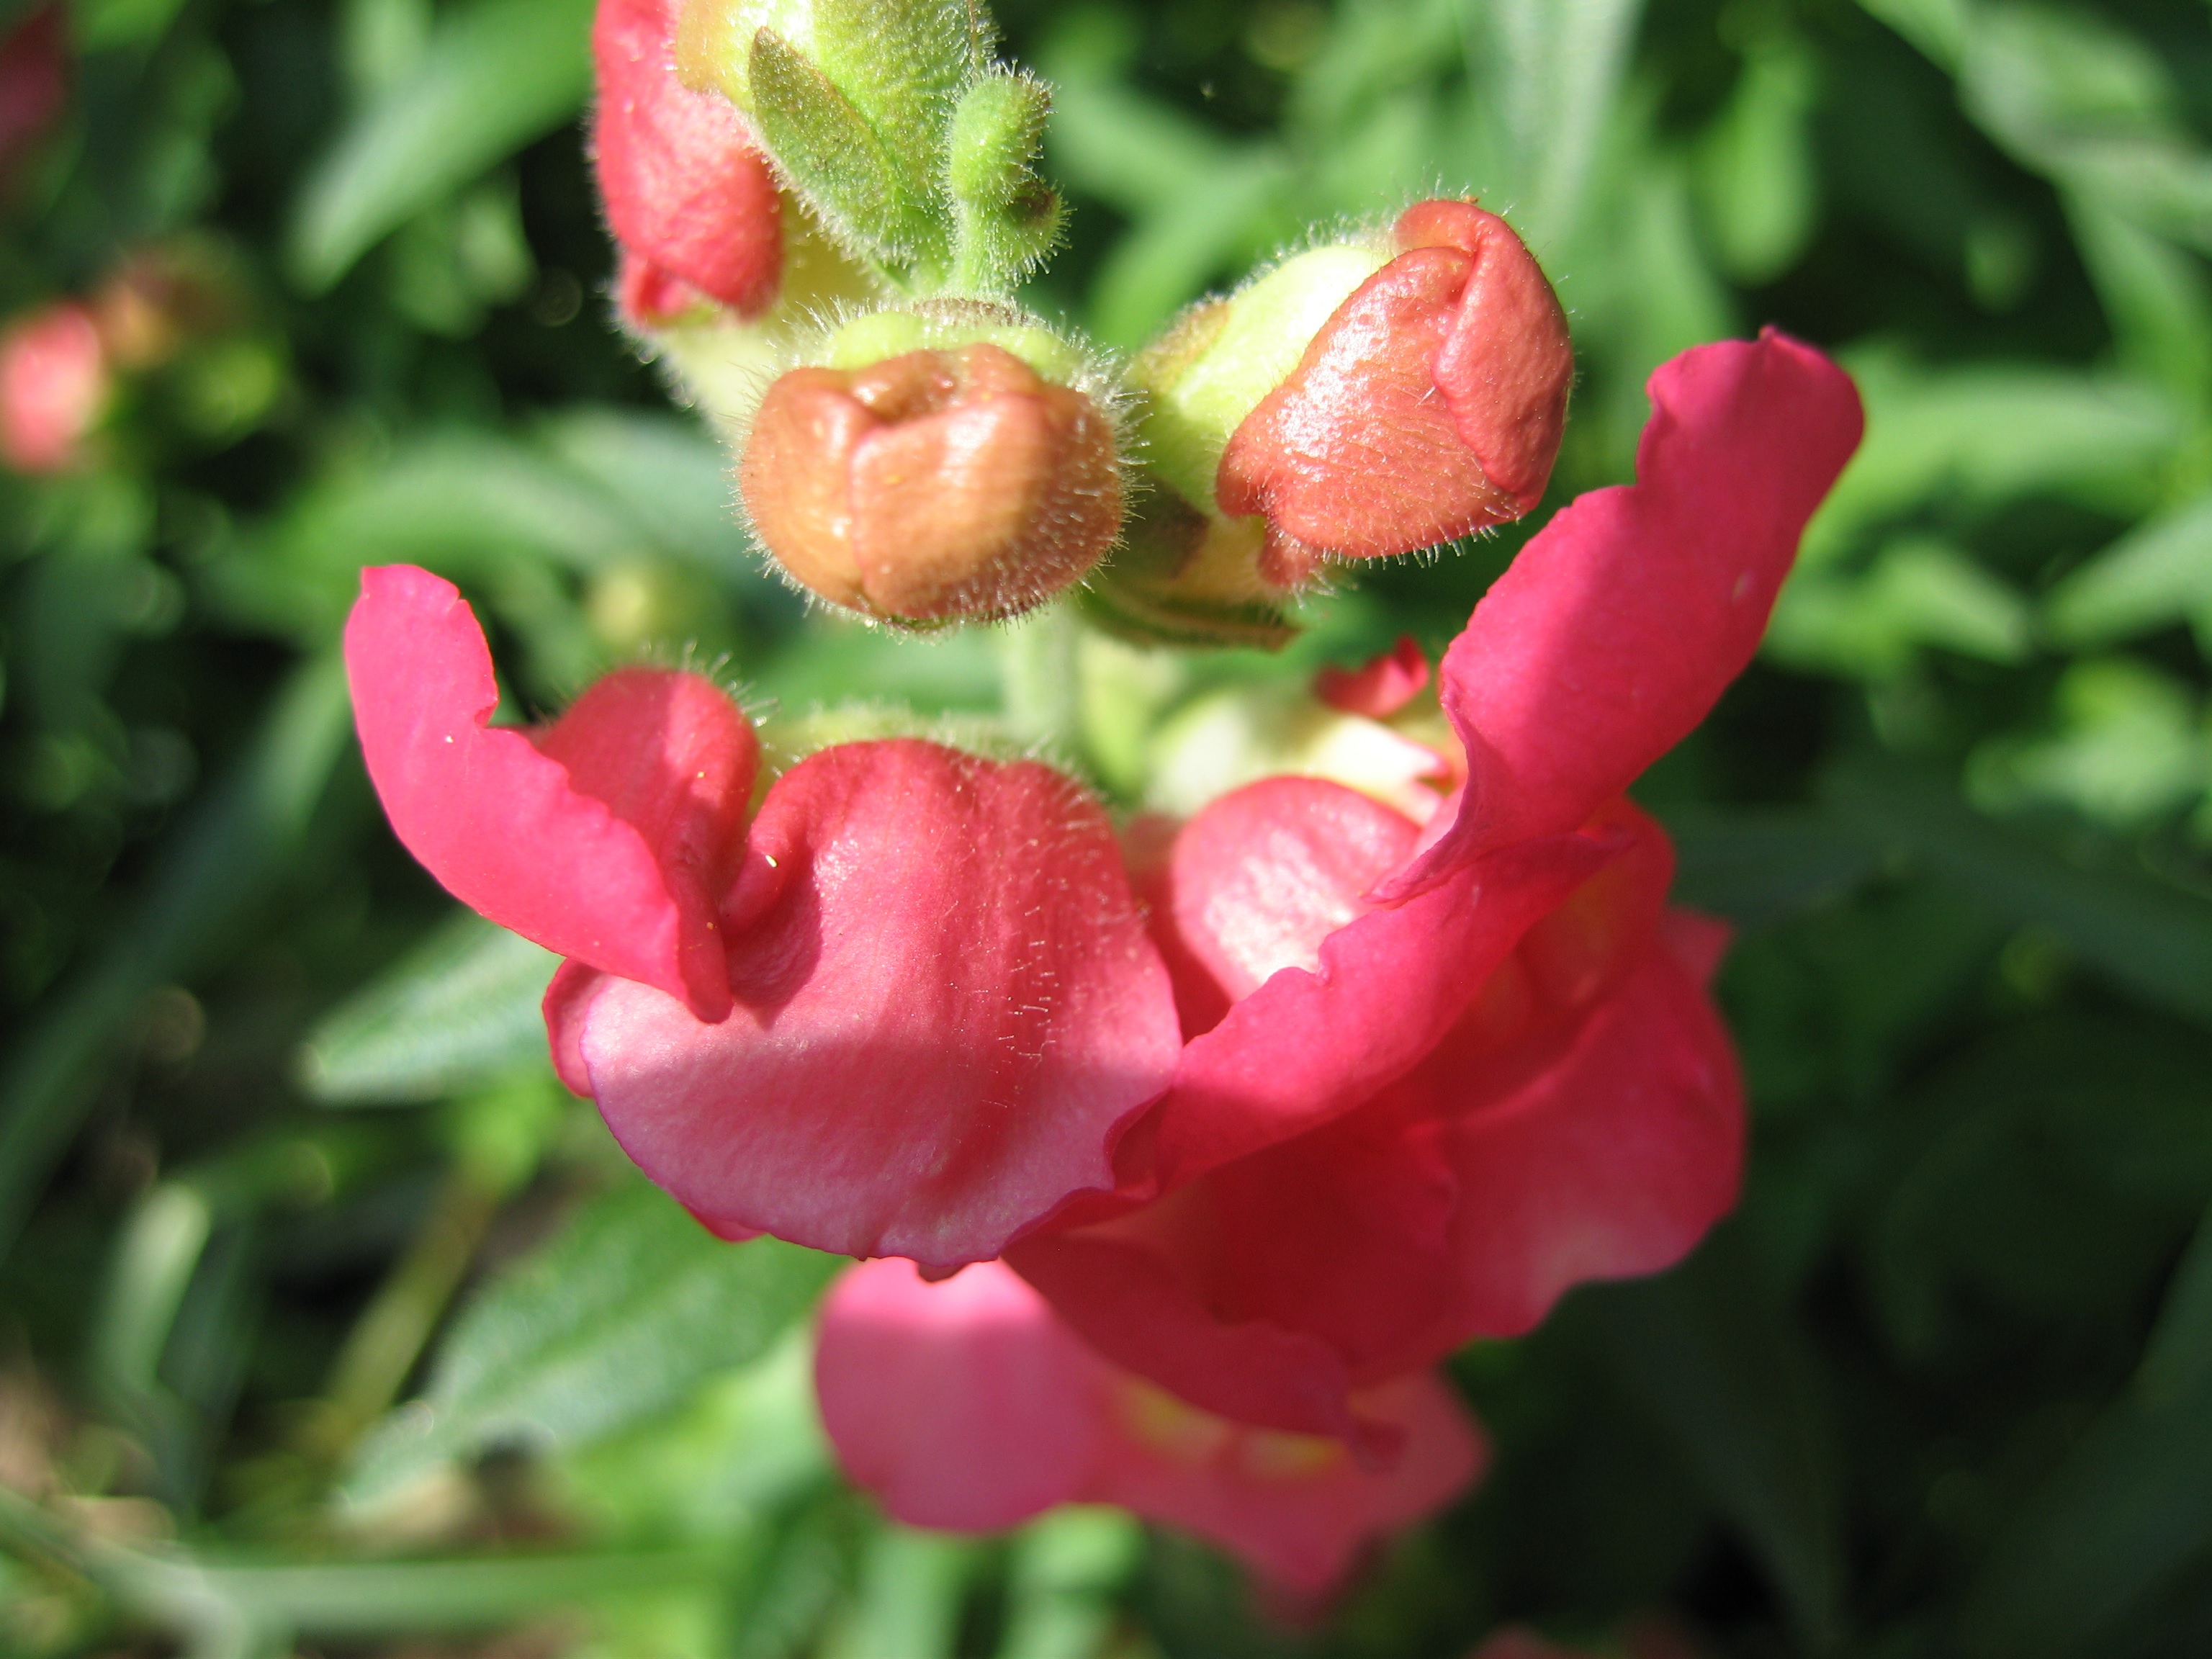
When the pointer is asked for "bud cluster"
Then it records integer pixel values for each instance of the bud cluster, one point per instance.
(825, 208)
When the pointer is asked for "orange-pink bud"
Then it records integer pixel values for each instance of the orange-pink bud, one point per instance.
(933, 484)
(1430, 403)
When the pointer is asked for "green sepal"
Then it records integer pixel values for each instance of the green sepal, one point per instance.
(1215, 363)
(1186, 578)
(834, 158)
(1006, 218)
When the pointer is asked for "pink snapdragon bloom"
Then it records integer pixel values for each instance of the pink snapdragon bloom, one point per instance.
(1359, 1088)
(904, 1008)
(689, 197)
(54, 382)
(1433, 1075)
(969, 1406)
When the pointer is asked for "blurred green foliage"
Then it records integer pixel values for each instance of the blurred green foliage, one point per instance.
(327, 1321)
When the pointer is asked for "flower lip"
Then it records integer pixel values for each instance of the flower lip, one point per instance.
(947, 1012)
(608, 838)
(968, 1405)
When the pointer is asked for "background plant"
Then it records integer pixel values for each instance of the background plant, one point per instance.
(278, 1151)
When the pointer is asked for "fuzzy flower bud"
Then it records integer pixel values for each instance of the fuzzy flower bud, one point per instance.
(948, 479)
(53, 384)
(1363, 400)
(687, 195)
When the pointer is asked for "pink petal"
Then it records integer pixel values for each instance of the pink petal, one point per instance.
(1119, 1287)
(1381, 688)
(1619, 625)
(1298, 1509)
(608, 843)
(965, 1403)
(684, 186)
(947, 1008)
(648, 295)
(1374, 1243)
(1612, 1163)
(1364, 993)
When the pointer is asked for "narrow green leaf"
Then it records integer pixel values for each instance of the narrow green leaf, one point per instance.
(2157, 574)
(2155, 939)
(837, 161)
(2155, 294)
(912, 1585)
(1068, 1568)
(460, 1010)
(496, 76)
(237, 843)
(624, 1315)
(1552, 70)
(1703, 1351)
(2130, 1509)
(1984, 436)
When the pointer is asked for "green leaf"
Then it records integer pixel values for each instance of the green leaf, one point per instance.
(1756, 867)
(1713, 1363)
(1918, 592)
(233, 847)
(1985, 436)
(625, 1316)
(1759, 184)
(1068, 1567)
(838, 161)
(497, 74)
(467, 504)
(911, 1589)
(2155, 294)
(2157, 574)
(1552, 71)
(2153, 938)
(460, 1010)
(2130, 1510)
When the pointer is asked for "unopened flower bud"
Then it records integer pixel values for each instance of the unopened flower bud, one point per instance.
(53, 384)
(687, 194)
(950, 479)
(1362, 403)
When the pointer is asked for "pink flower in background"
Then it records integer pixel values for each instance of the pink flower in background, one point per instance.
(687, 195)
(54, 383)
(1435, 1074)
(904, 1010)
(967, 1405)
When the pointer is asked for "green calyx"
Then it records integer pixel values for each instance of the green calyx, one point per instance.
(1005, 218)
(890, 119)
(1214, 366)
(946, 325)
